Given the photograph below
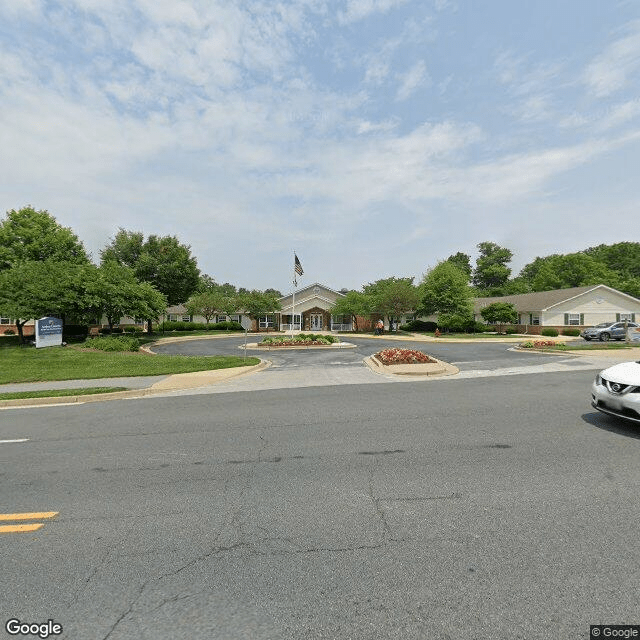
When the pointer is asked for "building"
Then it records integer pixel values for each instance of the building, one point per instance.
(577, 307)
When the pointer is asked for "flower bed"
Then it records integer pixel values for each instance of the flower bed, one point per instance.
(301, 340)
(403, 356)
(540, 344)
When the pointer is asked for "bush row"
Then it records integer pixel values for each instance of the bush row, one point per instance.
(200, 326)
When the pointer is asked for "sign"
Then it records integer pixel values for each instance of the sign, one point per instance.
(48, 332)
(633, 334)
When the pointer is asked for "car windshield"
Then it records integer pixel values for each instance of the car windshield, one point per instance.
(603, 324)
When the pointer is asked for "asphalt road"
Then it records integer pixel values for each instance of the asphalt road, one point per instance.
(492, 508)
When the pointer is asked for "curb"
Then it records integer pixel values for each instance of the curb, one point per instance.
(175, 382)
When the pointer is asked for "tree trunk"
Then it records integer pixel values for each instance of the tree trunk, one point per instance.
(149, 326)
(19, 327)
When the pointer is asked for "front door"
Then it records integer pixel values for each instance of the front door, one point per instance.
(316, 322)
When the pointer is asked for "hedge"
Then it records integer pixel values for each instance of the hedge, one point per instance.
(549, 331)
(113, 343)
(200, 326)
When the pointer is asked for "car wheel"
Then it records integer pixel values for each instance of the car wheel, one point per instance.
(587, 339)
(604, 337)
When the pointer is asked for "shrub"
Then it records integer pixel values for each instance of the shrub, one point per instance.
(9, 332)
(111, 343)
(571, 332)
(227, 326)
(75, 332)
(106, 331)
(419, 325)
(132, 328)
(549, 332)
(511, 330)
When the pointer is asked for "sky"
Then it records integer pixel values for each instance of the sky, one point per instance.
(372, 137)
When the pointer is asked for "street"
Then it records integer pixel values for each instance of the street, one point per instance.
(490, 507)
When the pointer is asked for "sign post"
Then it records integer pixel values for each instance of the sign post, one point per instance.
(48, 332)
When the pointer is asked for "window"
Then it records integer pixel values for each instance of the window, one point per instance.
(174, 317)
(628, 317)
(535, 320)
(574, 319)
(266, 322)
(5, 320)
(186, 318)
(221, 318)
(235, 318)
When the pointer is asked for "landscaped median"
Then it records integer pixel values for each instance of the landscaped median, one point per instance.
(408, 362)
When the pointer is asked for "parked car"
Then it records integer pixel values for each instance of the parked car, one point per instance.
(608, 331)
(616, 391)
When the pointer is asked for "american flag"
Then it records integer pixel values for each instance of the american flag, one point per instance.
(297, 266)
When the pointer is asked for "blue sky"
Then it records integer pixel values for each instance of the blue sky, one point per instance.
(373, 137)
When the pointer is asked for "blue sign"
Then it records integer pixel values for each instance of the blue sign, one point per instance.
(48, 332)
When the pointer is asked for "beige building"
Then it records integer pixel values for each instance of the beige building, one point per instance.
(577, 307)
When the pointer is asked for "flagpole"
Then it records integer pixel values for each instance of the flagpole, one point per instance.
(293, 312)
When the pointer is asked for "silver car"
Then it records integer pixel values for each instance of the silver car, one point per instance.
(616, 391)
(608, 331)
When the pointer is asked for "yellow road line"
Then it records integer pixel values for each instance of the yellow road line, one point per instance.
(20, 528)
(27, 516)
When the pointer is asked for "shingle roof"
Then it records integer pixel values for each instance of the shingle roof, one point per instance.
(537, 300)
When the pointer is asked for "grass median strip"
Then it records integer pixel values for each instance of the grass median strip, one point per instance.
(58, 393)
(20, 364)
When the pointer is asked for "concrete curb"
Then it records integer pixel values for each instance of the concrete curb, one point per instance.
(438, 368)
(175, 382)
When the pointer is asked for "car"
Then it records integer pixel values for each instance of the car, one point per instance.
(616, 391)
(608, 331)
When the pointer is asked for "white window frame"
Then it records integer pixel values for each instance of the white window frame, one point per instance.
(574, 319)
(267, 322)
(5, 321)
(221, 318)
(185, 318)
(535, 320)
(235, 318)
(626, 316)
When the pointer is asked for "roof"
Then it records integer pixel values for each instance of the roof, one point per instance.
(541, 300)
(311, 286)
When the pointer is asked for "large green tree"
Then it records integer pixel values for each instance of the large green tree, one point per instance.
(500, 313)
(163, 262)
(257, 303)
(31, 235)
(393, 296)
(572, 270)
(491, 273)
(206, 304)
(445, 290)
(115, 292)
(354, 304)
(34, 289)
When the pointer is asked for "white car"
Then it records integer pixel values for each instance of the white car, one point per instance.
(616, 391)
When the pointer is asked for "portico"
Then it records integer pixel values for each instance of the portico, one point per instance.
(311, 307)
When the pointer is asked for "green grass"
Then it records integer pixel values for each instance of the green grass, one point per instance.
(27, 364)
(59, 393)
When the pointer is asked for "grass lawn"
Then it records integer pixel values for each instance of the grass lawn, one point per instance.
(59, 393)
(607, 346)
(28, 364)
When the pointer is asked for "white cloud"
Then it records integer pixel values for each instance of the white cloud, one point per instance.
(359, 9)
(412, 80)
(612, 70)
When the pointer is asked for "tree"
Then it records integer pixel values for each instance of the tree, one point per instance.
(30, 235)
(393, 296)
(33, 289)
(462, 261)
(161, 261)
(500, 313)
(491, 272)
(116, 292)
(258, 303)
(572, 270)
(205, 304)
(622, 257)
(353, 304)
(445, 290)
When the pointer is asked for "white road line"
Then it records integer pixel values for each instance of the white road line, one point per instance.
(16, 440)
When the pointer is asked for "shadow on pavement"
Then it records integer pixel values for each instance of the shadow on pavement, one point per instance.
(611, 424)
